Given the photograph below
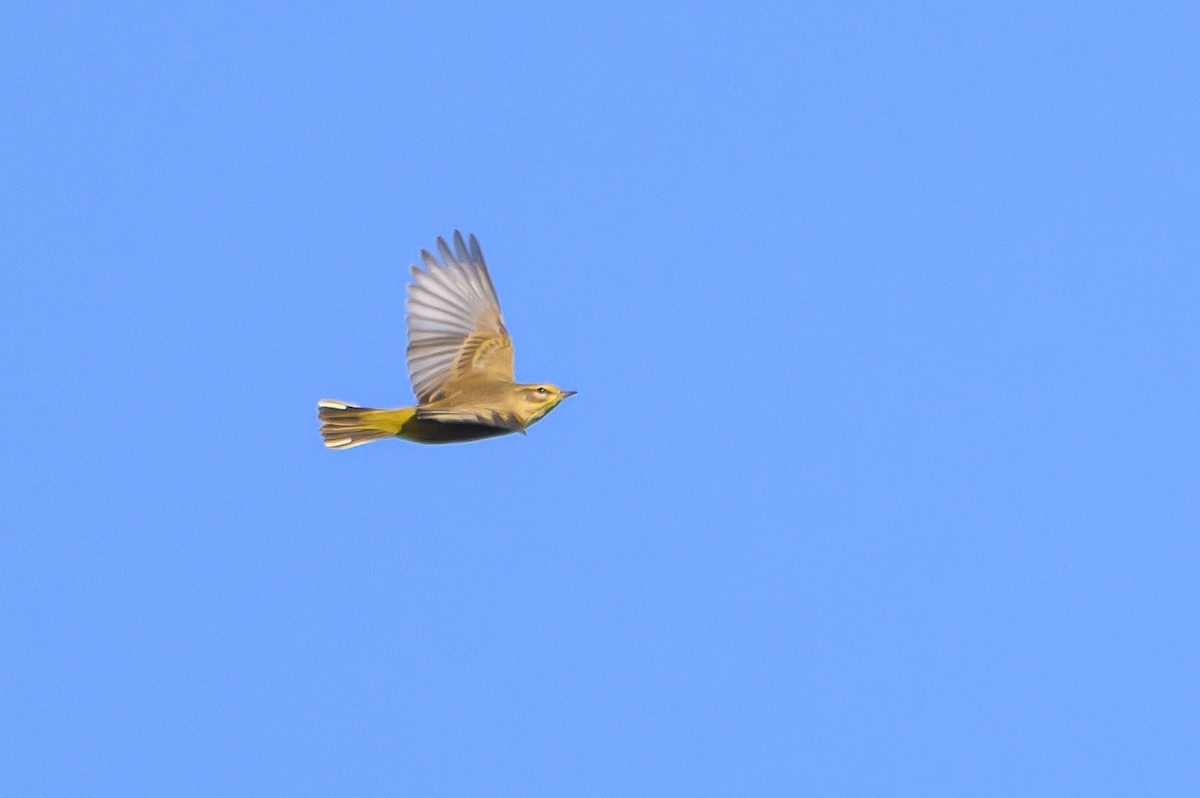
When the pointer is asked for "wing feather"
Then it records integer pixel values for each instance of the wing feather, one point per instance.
(433, 318)
(504, 419)
(455, 327)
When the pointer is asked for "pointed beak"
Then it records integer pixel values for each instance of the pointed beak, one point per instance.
(569, 393)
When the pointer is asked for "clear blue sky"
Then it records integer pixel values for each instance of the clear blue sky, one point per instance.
(883, 474)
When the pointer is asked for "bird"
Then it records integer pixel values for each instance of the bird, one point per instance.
(460, 360)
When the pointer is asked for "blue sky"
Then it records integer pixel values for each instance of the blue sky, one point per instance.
(883, 474)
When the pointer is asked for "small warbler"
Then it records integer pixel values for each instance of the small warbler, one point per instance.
(460, 359)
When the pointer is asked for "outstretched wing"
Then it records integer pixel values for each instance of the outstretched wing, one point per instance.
(455, 330)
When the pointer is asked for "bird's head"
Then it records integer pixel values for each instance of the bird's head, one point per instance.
(535, 401)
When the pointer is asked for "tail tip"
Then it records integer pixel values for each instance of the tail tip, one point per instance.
(345, 425)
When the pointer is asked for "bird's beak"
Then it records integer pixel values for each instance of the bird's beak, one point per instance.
(569, 393)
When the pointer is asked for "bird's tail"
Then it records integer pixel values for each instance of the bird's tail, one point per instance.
(345, 425)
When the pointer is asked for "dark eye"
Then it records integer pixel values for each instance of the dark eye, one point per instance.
(542, 390)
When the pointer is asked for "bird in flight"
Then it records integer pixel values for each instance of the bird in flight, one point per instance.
(460, 359)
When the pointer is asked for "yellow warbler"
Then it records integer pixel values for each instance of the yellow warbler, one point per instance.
(460, 359)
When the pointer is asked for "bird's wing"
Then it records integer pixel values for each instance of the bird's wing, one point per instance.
(455, 329)
(492, 417)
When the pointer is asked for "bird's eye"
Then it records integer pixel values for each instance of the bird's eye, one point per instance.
(542, 390)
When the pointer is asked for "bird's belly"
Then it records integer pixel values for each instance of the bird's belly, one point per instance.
(426, 431)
